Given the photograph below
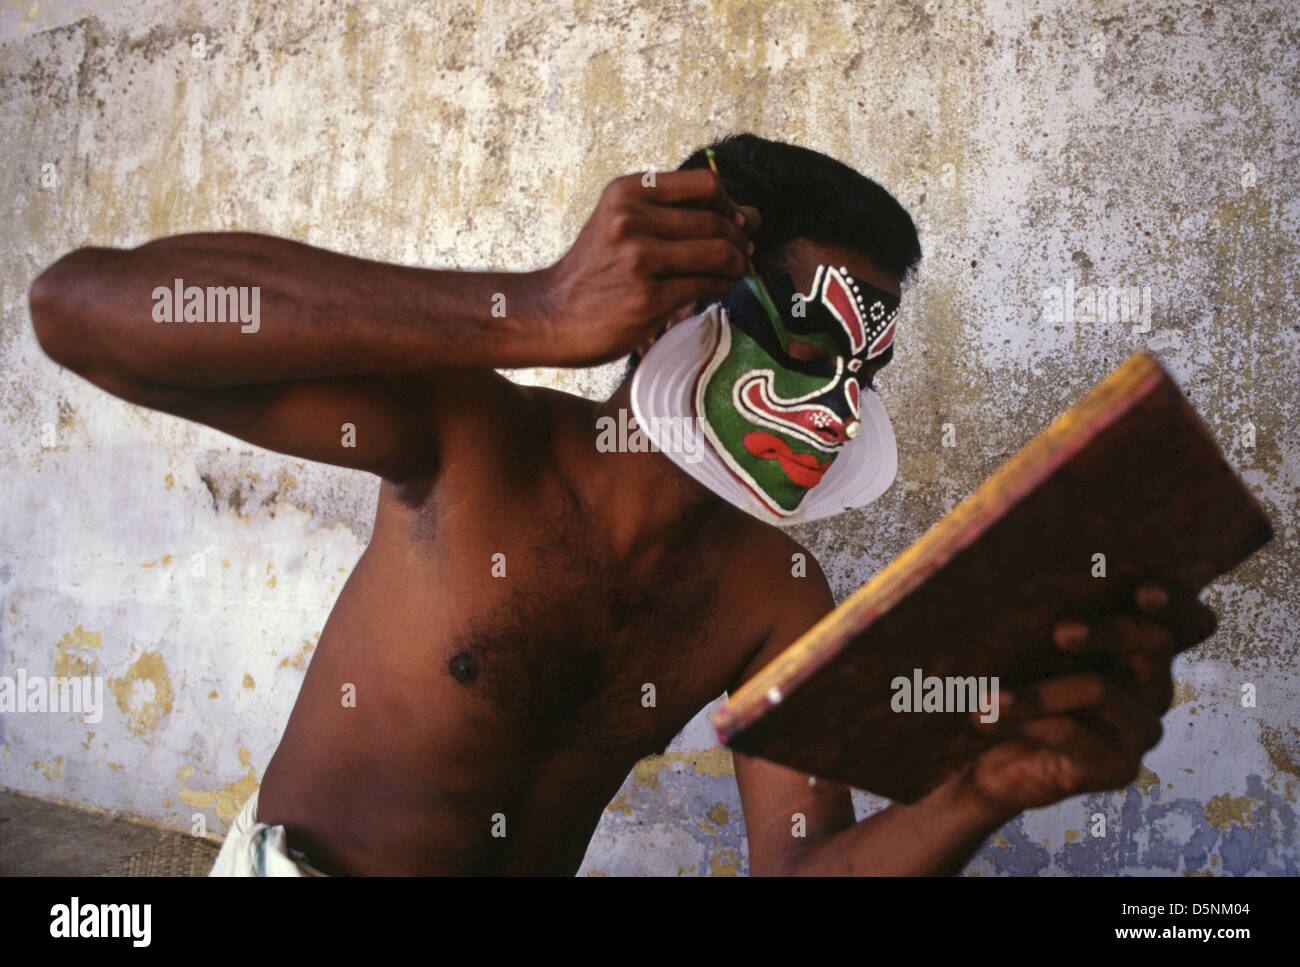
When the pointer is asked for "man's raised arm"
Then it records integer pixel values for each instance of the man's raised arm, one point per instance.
(312, 339)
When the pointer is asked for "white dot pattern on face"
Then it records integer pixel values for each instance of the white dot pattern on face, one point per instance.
(879, 319)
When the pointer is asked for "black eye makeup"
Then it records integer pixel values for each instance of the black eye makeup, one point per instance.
(835, 327)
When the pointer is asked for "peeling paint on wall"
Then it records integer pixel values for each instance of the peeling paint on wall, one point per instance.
(144, 694)
(225, 801)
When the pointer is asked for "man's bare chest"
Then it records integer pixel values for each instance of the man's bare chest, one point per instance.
(535, 620)
(584, 653)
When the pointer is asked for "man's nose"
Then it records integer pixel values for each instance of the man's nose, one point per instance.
(842, 431)
(852, 396)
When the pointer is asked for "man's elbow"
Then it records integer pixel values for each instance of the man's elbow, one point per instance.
(60, 299)
(785, 860)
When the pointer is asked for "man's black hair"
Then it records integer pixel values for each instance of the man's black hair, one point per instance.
(801, 193)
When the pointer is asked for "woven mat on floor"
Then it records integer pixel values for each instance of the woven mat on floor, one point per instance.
(174, 856)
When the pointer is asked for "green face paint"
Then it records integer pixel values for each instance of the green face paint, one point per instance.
(779, 423)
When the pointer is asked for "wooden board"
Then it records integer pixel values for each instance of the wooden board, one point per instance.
(1129, 472)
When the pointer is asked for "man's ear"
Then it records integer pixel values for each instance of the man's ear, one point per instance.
(680, 315)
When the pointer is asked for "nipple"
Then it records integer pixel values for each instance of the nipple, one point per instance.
(463, 668)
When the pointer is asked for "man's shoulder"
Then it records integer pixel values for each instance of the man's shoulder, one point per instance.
(782, 583)
(499, 438)
(516, 425)
(779, 556)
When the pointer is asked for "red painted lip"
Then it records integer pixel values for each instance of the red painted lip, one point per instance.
(802, 468)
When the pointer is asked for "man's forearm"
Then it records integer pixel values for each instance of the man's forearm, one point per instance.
(320, 314)
(934, 836)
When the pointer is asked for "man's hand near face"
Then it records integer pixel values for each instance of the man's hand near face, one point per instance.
(1064, 737)
(647, 250)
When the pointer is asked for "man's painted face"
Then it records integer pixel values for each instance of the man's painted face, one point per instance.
(778, 421)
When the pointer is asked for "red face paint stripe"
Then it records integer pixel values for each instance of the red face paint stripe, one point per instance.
(795, 417)
(837, 297)
(882, 343)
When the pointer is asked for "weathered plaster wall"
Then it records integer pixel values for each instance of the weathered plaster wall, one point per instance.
(1106, 143)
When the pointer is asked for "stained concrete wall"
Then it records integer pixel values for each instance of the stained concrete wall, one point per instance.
(1150, 145)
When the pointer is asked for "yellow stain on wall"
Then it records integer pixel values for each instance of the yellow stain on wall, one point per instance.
(84, 638)
(1072, 835)
(715, 761)
(248, 681)
(69, 665)
(718, 814)
(164, 561)
(226, 801)
(299, 661)
(144, 693)
(51, 772)
(1222, 811)
(285, 482)
(1282, 753)
(1183, 693)
(1146, 779)
(171, 482)
(724, 862)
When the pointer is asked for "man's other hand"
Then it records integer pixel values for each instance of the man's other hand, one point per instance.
(1087, 732)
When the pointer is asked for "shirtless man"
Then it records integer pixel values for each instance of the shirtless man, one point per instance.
(480, 696)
